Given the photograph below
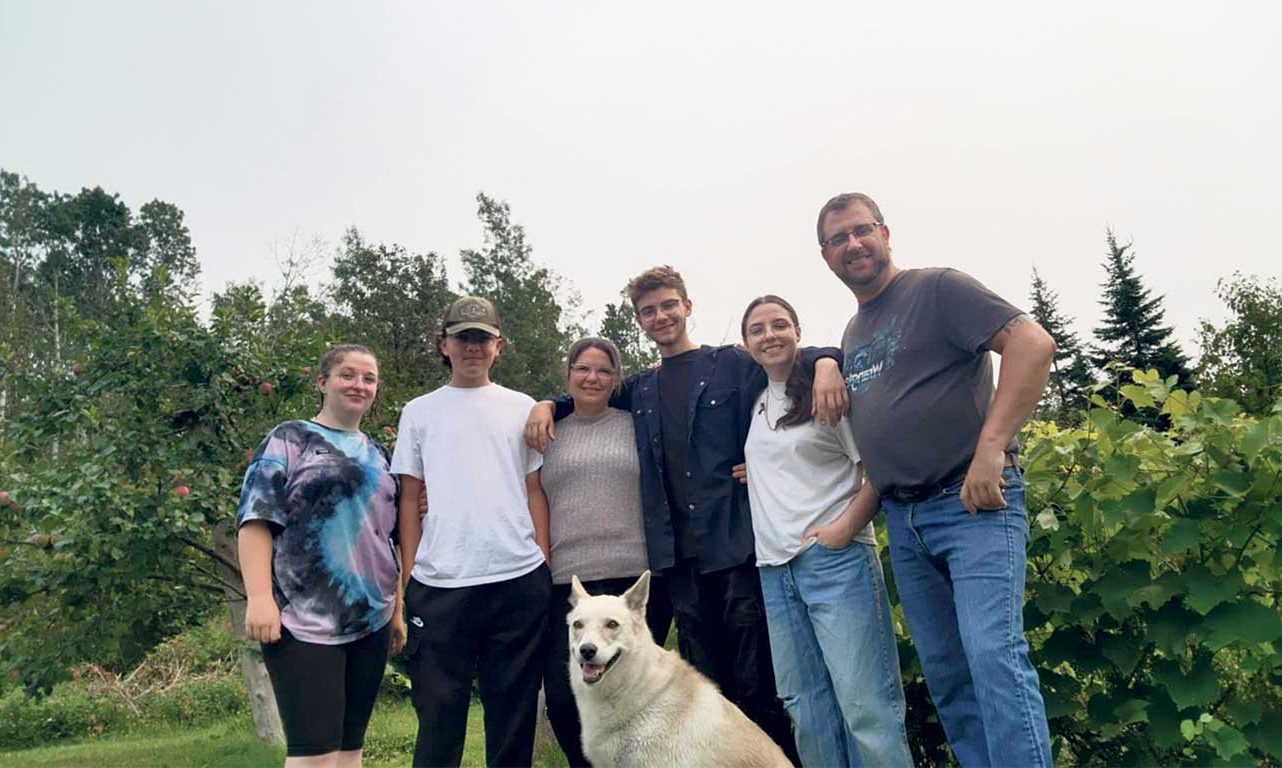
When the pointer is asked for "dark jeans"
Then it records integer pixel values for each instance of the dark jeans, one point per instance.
(722, 632)
(563, 713)
(494, 631)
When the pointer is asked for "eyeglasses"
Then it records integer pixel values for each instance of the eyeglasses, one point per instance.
(581, 369)
(649, 311)
(859, 230)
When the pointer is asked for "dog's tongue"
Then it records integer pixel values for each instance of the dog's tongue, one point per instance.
(591, 672)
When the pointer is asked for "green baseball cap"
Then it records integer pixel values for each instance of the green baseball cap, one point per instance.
(472, 312)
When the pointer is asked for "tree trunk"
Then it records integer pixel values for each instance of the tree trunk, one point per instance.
(262, 699)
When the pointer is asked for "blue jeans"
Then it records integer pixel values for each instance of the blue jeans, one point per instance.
(961, 582)
(834, 655)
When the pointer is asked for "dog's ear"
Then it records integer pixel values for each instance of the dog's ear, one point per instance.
(577, 592)
(638, 594)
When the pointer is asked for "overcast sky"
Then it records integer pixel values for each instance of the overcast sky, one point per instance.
(995, 136)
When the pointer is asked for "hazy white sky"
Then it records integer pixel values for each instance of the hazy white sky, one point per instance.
(996, 136)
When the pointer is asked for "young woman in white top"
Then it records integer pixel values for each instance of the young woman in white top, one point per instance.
(831, 639)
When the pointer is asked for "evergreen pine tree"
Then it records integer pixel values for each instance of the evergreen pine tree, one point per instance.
(1132, 333)
(1070, 377)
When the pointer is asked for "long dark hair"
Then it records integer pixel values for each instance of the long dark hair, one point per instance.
(801, 383)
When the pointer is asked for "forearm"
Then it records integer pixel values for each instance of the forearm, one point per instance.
(409, 523)
(1024, 373)
(540, 517)
(254, 549)
(861, 510)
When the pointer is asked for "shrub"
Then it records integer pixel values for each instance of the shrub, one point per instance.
(1154, 581)
(25, 722)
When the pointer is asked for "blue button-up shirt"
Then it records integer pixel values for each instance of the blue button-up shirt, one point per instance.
(724, 383)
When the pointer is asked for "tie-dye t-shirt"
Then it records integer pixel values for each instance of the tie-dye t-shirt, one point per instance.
(330, 502)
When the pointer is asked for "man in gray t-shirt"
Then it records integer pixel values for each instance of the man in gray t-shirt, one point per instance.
(939, 447)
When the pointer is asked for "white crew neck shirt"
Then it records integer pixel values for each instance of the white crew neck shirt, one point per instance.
(798, 476)
(465, 444)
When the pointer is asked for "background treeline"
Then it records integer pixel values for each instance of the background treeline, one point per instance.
(127, 417)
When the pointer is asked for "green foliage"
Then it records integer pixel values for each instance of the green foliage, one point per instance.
(620, 326)
(393, 301)
(102, 558)
(26, 723)
(1242, 359)
(189, 679)
(1070, 378)
(1154, 584)
(536, 330)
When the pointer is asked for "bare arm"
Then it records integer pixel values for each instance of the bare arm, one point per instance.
(410, 523)
(831, 400)
(539, 513)
(254, 548)
(1027, 351)
(857, 514)
(540, 427)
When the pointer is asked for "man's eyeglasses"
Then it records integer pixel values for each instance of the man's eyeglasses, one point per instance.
(841, 238)
(649, 311)
(581, 369)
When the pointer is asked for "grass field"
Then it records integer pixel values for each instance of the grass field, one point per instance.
(389, 742)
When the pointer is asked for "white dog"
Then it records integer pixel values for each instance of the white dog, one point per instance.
(643, 706)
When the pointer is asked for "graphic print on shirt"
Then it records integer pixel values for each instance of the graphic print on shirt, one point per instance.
(866, 362)
(322, 504)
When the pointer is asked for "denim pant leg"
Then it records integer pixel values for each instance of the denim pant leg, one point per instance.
(988, 562)
(983, 560)
(926, 594)
(845, 593)
(800, 675)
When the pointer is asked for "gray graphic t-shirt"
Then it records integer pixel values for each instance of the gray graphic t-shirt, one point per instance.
(330, 502)
(920, 383)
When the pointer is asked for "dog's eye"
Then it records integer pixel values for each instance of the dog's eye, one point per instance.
(577, 624)
(612, 624)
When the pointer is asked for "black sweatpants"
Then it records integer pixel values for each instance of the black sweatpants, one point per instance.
(493, 631)
(722, 632)
(563, 713)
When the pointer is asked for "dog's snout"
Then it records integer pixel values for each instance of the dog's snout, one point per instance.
(587, 651)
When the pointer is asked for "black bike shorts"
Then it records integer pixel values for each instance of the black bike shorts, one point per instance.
(325, 693)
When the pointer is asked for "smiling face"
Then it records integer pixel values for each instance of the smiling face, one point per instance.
(771, 336)
(862, 262)
(349, 388)
(662, 314)
(592, 378)
(471, 354)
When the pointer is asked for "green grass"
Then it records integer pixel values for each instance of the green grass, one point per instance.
(389, 742)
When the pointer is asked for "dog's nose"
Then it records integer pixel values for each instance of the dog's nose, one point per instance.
(587, 651)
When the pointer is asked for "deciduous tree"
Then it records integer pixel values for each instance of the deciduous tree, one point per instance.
(528, 297)
(1242, 359)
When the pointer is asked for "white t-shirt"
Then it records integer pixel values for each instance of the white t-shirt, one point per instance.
(465, 444)
(798, 476)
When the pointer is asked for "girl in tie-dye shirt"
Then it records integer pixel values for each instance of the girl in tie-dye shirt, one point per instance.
(316, 515)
